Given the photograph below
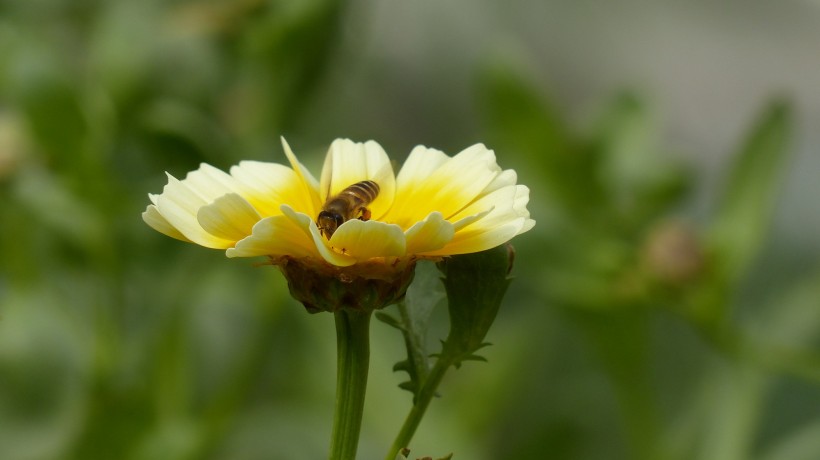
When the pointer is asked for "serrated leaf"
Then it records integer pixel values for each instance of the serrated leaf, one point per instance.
(475, 286)
(748, 201)
(423, 295)
(409, 386)
(401, 366)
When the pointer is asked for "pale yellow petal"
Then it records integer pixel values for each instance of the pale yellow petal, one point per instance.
(275, 236)
(153, 218)
(498, 217)
(503, 179)
(528, 225)
(348, 162)
(308, 228)
(367, 239)
(269, 185)
(229, 217)
(465, 221)
(310, 187)
(178, 205)
(480, 239)
(421, 163)
(449, 188)
(506, 202)
(210, 183)
(429, 235)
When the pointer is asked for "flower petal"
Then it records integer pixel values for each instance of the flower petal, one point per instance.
(481, 239)
(465, 221)
(450, 186)
(347, 163)
(273, 236)
(430, 234)
(310, 187)
(178, 204)
(230, 217)
(152, 217)
(498, 217)
(269, 185)
(421, 162)
(503, 179)
(367, 239)
(506, 203)
(210, 183)
(308, 228)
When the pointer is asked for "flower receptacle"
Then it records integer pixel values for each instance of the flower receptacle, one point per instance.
(363, 287)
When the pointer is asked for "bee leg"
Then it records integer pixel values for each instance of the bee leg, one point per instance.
(365, 214)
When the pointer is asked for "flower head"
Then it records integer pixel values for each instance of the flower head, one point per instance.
(435, 206)
(359, 214)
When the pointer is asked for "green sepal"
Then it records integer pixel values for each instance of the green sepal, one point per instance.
(475, 285)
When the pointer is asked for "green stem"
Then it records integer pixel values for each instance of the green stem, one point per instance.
(353, 354)
(427, 393)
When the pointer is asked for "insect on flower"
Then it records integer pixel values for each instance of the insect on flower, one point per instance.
(358, 213)
(350, 203)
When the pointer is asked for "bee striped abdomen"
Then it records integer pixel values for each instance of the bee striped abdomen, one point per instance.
(363, 192)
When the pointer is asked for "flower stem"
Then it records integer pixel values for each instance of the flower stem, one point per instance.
(352, 357)
(427, 393)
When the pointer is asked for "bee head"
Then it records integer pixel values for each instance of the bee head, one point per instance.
(328, 222)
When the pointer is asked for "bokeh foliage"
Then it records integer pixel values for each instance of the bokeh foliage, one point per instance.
(635, 327)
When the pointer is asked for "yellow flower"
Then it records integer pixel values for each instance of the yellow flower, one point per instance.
(435, 206)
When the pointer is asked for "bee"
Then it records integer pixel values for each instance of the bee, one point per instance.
(350, 203)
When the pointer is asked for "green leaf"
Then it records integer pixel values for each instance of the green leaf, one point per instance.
(422, 297)
(519, 119)
(641, 179)
(475, 286)
(288, 51)
(802, 443)
(749, 198)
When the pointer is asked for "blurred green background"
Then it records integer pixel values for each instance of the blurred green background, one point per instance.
(666, 305)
